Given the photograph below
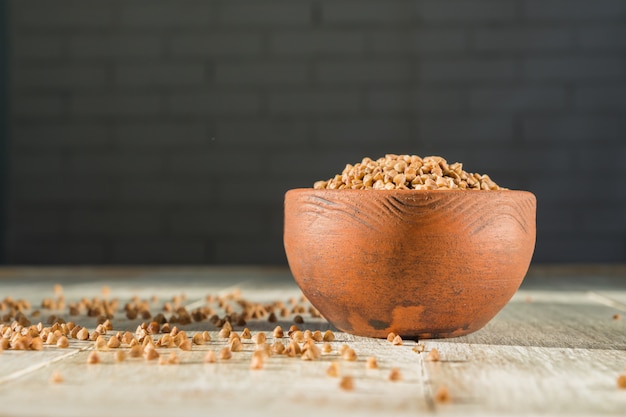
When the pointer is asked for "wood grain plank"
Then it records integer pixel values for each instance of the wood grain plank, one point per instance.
(549, 319)
(285, 386)
(551, 351)
(496, 380)
(15, 364)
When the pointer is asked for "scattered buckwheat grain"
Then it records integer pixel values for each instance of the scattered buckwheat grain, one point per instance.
(349, 354)
(56, 378)
(442, 395)
(185, 344)
(63, 342)
(371, 363)
(419, 348)
(259, 338)
(329, 336)
(433, 355)
(346, 383)
(135, 351)
(278, 347)
(395, 375)
(225, 353)
(257, 360)
(209, 357)
(151, 354)
(333, 369)
(82, 334)
(93, 357)
(278, 332)
(114, 342)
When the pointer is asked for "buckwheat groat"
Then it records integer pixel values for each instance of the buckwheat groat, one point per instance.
(407, 172)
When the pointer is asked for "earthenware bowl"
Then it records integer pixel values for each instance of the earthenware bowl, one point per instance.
(421, 264)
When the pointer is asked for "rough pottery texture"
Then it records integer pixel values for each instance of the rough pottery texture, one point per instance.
(422, 264)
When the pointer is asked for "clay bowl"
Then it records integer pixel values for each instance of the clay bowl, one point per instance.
(421, 264)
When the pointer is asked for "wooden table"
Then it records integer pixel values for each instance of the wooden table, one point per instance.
(556, 349)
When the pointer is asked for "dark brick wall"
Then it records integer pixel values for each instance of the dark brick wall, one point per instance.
(168, 131)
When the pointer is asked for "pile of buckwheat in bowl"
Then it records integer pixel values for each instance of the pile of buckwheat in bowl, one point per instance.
(407, 172)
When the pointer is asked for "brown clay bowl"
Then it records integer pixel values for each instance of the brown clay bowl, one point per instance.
(421, 264)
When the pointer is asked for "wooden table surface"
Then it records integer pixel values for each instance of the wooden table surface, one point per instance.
(556, 349)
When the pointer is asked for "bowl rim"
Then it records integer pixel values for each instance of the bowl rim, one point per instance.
(396, 191)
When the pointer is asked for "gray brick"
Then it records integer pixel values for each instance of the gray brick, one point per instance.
(569, 129)
(526, 99)
(553, 221)
(115, 165)
(208, 104)
(27, 223)
(63, 191)
(225, 222)
(26, 105)
(261, 251)
(605, 36)
(553, 161)
(155, 136)
(266, 13)
(314, 102)
(603, 220)
(57, 77)
(363, 72)
(355, 133)
(117, 104)
(115, 46)
(160, 75)
(577, 189)
(216, 163)
(465, 131)
(611, 155)
(101, 223)
(162, 251)
(214, 45)
(574, 68)
(166, 192)
(305, 168)
(61, 14)
(261, 73)
(165, 14)
(522, 38)
(32, 165)
(317, 43)
(461, 10)
(51, 251)
(601, 98)
(417, 41)
(368, 12)
(574, 9)
(271, 195)
(559, 248)
(494, 69)
(422, 100)
(37, 46)
(440, 100)
(398, 100)
(262, 134)
(47, 136)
